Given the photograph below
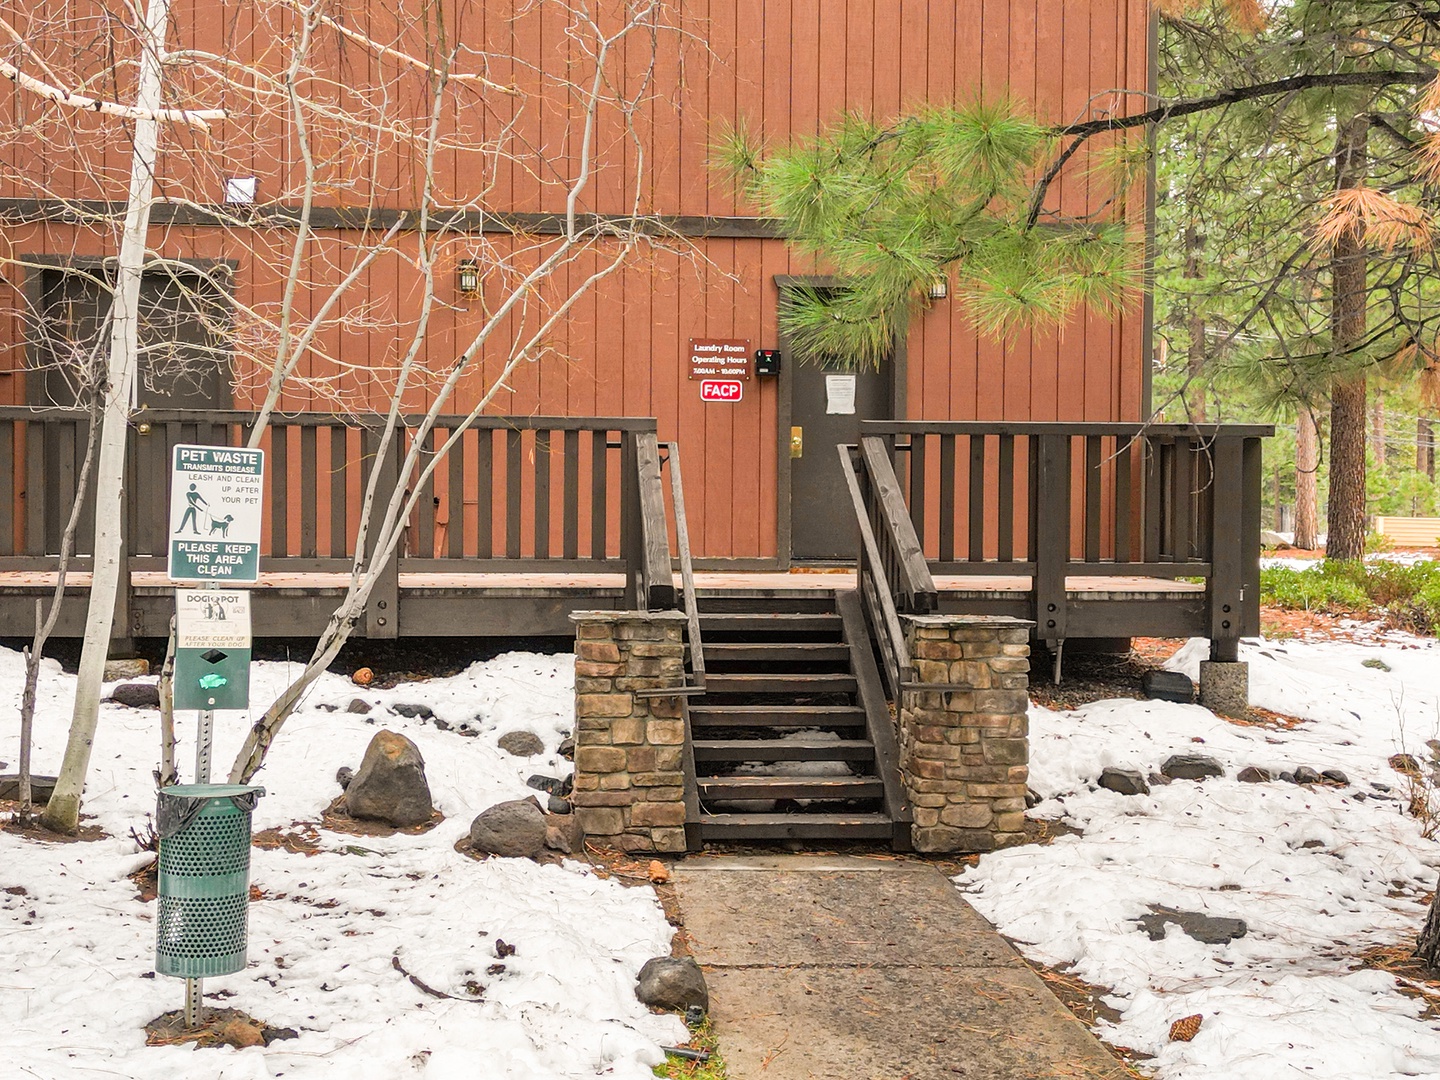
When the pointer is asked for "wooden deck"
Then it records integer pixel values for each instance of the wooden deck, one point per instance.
(539, 604)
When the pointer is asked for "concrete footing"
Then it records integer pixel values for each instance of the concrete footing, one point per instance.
(1225, 686)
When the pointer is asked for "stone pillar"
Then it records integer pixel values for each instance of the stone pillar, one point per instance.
(964, 748)
(630, 749)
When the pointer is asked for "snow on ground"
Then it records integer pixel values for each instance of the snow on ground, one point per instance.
(1318, 875)
(77, 945)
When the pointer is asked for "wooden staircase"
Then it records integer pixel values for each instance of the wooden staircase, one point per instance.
(792, 738)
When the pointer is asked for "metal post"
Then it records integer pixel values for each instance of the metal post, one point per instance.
(204, 737)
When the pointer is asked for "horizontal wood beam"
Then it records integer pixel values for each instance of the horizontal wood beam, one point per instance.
(377, 219)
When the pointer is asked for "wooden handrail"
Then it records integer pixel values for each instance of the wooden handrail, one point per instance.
(1049, 427)
(328, 419)
(916, 588)
(875, 592)
(687, 568)
(652, 581)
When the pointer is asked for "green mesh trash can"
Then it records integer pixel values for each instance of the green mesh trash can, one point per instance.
(204, 878)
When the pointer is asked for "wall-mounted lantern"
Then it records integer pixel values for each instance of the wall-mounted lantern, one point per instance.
(467, 277)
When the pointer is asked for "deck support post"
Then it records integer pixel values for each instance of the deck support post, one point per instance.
(630, 744)
(964, 731)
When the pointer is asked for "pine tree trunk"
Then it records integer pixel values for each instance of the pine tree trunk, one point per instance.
(1377, 430)
(1307, 461)
(1345, 515)
(1425, 447)
(1195, 404)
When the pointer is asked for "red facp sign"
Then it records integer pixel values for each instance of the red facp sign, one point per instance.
(722, 390)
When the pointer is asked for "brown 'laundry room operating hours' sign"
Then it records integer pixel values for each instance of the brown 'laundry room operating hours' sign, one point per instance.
(720, 358)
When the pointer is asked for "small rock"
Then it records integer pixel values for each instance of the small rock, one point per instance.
(115, 670)
(359, 706)
(343, 776)
(440, 725)
(1124, 782)
(1380, 787)
(1168, 686)
(556, 805)
(669, 982)
(1191, 767)
(1253, 774)
(1306, 775)
(659, 872)
(514, 829)
(1359, 796)
(241, 1034)
(567, 747)
(551, 785)
(1287, 777)
(363, 676)
(390, 785)
(521, 744)
(1032, 798)
(137, 695)
(41, 787)
(325, 706)
(1159, 779)
(563, 833)
(1206, 929)
(1376, 663)
(1335, 776)
(421, 712)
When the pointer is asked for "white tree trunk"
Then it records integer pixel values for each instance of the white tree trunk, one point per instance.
(62, 814)
(1307, 467)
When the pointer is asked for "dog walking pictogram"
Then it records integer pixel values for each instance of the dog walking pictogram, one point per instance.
(195, 505)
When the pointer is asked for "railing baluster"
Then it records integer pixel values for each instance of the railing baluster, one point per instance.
(485, 494)
(513, 448)
(1005, 533)
(947, 498)
(1094, 488)
(1182, 486)
(8, 509)
(1152, 499)
(424, 546)
(35, 490)
(571, 526)
(976, 543)
(309, 492)
(339, 482)
(1123, 450)
(917, 485)
(455, 495)
(542, 494)
(277, 470)
(1052, 540)
(599, 488)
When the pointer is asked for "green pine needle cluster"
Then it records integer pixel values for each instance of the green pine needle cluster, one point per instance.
(944, 194)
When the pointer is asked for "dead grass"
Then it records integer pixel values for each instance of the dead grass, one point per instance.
(218, 1027)
(337, 818)
(1086, 1001)
(33, 830)
(1412, 978)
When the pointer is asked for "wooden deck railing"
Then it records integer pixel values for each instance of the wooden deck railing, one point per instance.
(520, 494)
(1050, 501)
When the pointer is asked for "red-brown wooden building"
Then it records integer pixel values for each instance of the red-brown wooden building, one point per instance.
(788, 67)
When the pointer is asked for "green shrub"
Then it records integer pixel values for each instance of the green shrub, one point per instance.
(1405, 596)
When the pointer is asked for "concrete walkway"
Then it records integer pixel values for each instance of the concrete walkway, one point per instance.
(845, 968)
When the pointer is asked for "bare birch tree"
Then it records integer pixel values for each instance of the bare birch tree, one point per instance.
(400, 122)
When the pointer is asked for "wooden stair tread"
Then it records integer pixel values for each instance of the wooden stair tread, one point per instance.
(778, 683)
(791, 787)
(777, 651)
(783, 750)
(819, 826)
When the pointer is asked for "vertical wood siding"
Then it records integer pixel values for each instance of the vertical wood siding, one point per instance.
(785, 66)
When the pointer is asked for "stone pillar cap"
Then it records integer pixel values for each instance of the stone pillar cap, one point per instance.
(612, 616)
(1002, 621)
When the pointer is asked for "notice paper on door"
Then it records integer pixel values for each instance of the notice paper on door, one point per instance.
(840, 394)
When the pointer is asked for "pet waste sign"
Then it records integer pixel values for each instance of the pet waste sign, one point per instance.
(212, 649)
(215, 501)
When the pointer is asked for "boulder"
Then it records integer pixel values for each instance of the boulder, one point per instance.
(1271, 539)
(359, 706)
(116, 670)
(1191, 767)
(414, 712)
(669, 982)
(1306, 775)
(521, 744)
(1124, 782)
(514, 829)
(1168, 686)
(41, 787)
(564, 833)
(1206, 929)
(1253, 774)
(137, 695)
(390, 785)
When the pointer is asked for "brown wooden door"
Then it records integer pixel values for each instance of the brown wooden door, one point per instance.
(822, 517)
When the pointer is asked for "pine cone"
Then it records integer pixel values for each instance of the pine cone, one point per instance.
(1185, 1029)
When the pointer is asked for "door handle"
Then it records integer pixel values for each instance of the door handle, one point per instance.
(797, 442)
